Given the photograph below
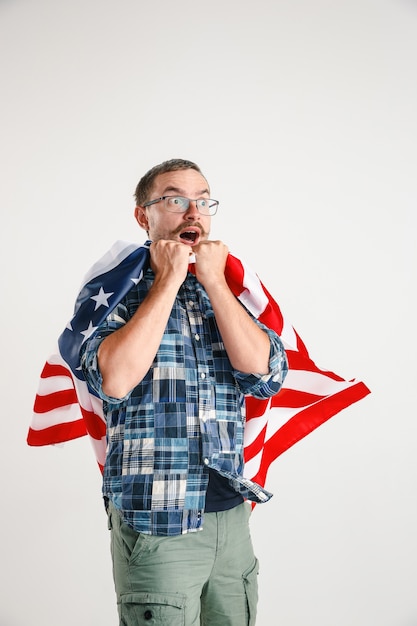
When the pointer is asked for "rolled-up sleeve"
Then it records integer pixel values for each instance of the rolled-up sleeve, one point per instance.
(89, 350)
(267, 385)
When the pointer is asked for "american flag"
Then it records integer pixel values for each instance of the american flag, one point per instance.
(65, 409)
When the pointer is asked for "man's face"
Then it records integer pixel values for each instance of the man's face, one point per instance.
(190, 227)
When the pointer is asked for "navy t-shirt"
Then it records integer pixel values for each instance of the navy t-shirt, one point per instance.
(220, 495)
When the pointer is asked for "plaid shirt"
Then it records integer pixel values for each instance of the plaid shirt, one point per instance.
(187, 414)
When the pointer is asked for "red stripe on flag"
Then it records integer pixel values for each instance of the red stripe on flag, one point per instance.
(59, 433)
(298, 361)
(234, 274)
(272, 316)
(292, 399)
(54, 400)
(304, 422)
(90, 424)
(286, 398)
(53, 369)
(96, 427)
(255, 407)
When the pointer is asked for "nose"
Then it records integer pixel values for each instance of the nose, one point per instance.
(192, 212)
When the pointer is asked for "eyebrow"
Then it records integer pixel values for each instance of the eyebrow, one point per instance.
(181, 192)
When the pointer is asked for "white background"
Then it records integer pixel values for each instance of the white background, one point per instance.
(302, 115)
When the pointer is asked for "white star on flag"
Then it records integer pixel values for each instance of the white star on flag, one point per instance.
(102, 298)
(135, 281)
(88, 331)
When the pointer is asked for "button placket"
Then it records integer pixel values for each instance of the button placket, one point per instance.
(195, 321)
(202, 353)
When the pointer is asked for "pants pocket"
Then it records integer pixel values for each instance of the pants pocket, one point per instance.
(250, 581)
(126, 543)
(144, 609)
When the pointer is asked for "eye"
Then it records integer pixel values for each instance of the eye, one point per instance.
(177, 202)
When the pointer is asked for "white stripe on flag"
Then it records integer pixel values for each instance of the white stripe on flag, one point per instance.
(63, 415)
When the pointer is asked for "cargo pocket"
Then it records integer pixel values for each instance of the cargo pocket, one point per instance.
(250, 581)
(144, 609)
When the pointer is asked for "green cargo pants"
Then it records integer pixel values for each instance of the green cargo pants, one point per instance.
(204, 578)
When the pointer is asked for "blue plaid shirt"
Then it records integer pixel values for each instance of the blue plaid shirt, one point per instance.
(186, 415)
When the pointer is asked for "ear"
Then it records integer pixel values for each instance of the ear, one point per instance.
(141, 217)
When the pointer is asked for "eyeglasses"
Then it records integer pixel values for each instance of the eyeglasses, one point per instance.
(179, 204)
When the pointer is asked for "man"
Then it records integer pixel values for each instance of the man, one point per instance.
(172, 363)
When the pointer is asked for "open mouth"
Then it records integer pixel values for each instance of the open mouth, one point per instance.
(189, 236)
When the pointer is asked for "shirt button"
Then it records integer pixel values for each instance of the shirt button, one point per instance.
(206, 461)
(202, 375)
(197, 337)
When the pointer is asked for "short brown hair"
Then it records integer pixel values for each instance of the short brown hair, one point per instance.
(144, 186)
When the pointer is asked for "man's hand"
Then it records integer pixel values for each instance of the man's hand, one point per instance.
(210, 262)
(246, 344)
(169, 261)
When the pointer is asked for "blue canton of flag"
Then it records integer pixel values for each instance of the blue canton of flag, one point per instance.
(94, 304)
